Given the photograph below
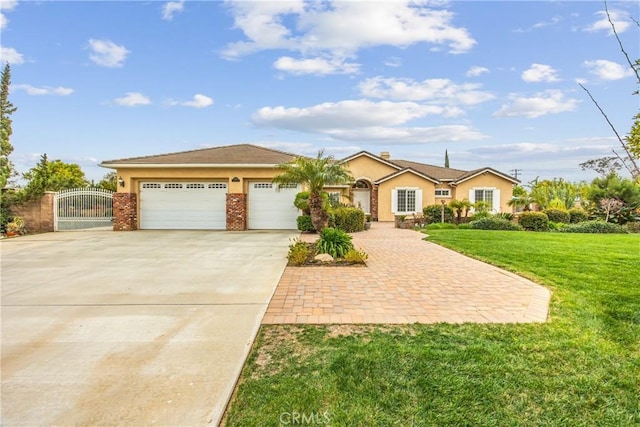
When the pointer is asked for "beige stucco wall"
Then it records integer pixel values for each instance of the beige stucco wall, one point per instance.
(133, 176)
(367, 168)
(487, 180)
(405, 180)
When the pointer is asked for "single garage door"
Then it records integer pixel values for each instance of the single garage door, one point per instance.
(271, 208)
(183, 205)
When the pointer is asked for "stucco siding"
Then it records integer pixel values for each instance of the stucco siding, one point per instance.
(365, 167)
(406, 180)
(487, 180)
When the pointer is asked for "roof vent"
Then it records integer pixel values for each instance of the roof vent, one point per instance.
(385, 155)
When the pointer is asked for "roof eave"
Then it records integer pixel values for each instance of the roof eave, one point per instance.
(186, 165)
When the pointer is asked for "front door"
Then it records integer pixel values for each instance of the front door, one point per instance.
(361, 199)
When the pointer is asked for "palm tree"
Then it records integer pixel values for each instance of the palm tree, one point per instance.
(459, 206)
(314, 174)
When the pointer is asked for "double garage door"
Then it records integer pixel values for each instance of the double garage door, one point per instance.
(199, 205)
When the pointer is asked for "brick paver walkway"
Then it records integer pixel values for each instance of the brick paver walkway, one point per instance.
(407, 280)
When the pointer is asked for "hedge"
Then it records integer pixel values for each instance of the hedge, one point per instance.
(494, 223)
(577, 215)
(534, 221)
(558, 215)
(596, 226)
(433, 213)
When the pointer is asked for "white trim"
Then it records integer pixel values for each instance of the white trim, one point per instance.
(371, 156)
(417, 205)
(491, 171)
(398, 173)
(448, 190)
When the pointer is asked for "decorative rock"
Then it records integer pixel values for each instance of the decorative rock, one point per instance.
(323, 258)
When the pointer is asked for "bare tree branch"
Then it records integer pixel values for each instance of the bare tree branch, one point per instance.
(633, 169)
(613, 28)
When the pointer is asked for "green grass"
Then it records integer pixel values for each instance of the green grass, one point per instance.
(580, 368)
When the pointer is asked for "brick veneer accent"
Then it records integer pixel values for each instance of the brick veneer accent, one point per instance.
(374, 203)
(125, 212)
(37, 214)
(236, 211)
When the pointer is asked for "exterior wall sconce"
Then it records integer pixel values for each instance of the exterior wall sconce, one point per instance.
(235, 179)
(121, 181)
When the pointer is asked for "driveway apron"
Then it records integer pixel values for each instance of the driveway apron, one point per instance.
(135, 328)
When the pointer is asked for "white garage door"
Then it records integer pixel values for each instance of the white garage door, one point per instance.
(271, 208)
(183, 205)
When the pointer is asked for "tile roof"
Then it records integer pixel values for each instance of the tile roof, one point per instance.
(229, 154)
(437, 172)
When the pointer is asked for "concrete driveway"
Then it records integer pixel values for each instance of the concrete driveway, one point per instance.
(135, 328)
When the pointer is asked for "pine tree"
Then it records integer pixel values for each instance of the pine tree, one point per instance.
(446, 159)
(6, 109)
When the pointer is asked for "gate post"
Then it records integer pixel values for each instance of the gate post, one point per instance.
(125, 212)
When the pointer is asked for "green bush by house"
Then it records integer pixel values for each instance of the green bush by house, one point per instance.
(534, 221)
(558, 215)
(433, 213)
(577, 215)
(305, 224)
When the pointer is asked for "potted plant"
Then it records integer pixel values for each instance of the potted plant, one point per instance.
(367, 221)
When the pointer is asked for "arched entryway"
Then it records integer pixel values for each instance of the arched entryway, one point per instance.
(362, 195)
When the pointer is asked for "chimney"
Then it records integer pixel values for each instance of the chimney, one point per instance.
(385, 155)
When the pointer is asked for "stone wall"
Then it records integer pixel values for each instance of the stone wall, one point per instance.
(37, 214)
(236, 211)
(125, 212)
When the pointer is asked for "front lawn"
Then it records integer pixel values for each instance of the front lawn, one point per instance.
(580, 368)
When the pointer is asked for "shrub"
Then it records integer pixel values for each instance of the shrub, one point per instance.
(348, 219)
(305, 224)
(597, 226)
(494, 223)
(465, 226)
(633, 227)
(534, 221)
(334, 242)
(355, 256)
(558, 215)
(433, 213)
(299, 252)
(555, 226)
(441, 226)
(504, 215)
(577, 215)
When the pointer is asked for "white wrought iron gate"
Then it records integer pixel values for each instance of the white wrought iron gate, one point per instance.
(82, 208)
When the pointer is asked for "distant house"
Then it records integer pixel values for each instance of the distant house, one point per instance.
(230, 188)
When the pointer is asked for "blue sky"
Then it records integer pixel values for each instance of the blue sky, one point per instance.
(494, 83)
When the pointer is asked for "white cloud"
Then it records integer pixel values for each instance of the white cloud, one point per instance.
(394, 62)
(132, 99)
(6, 5)
(199, 101)
(10, 55)
(340, 29)
(620, 20)
(318, 66)
(540, 73)
(107, 54)
(553, 21)
(608, 70)
(46, 90)
(171, 8)
(475, 71)
(432, 90)
(547, 102)
(354, 120)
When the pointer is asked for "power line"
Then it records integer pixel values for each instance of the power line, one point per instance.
(515, 172)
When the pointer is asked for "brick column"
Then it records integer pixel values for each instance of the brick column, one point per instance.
(236, 211)
(125, 212)
(374, 203)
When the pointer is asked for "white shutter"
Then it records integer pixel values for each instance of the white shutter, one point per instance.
(394, 201)
(472, 195)
(496, 201)
(418, 201)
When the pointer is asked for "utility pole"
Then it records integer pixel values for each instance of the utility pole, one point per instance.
(515, 172)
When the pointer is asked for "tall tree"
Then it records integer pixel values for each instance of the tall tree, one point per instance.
(314, 174)
(52, 176)
(109, 182)
(6, 110)
(446, 158)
